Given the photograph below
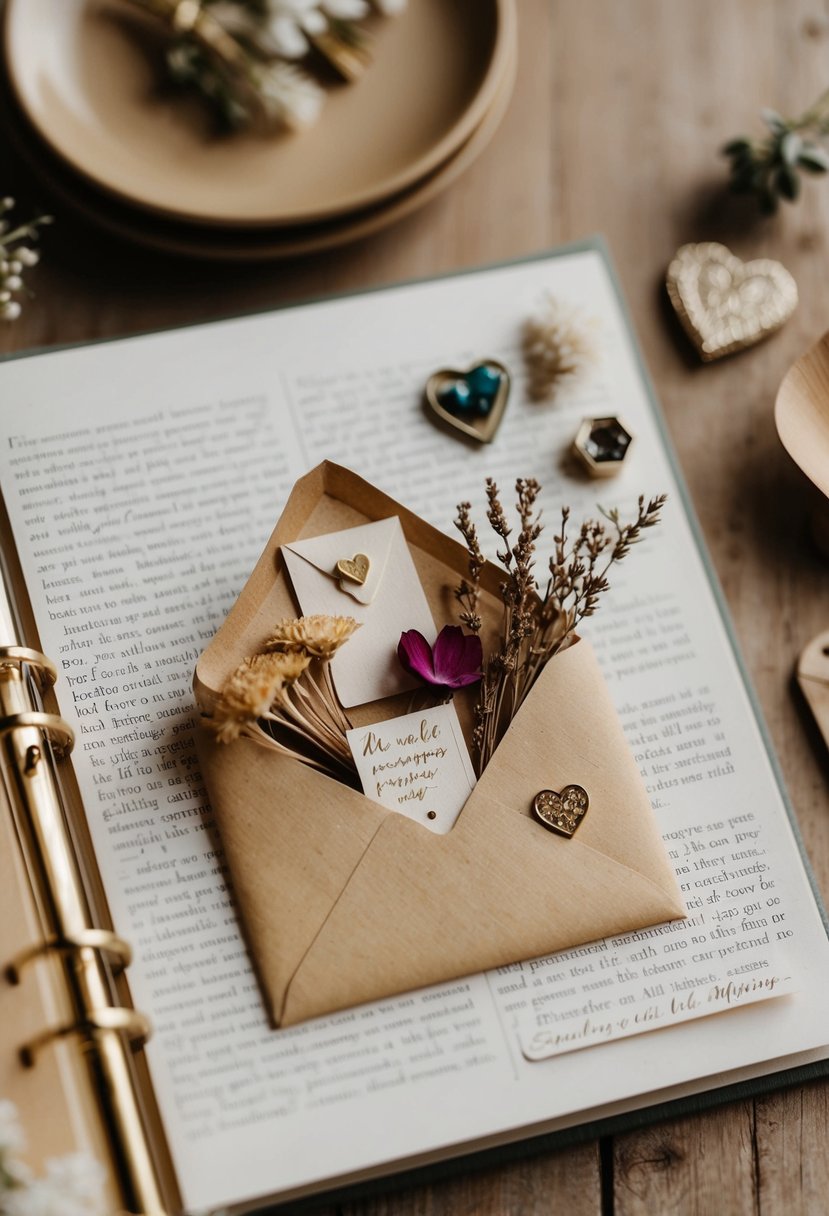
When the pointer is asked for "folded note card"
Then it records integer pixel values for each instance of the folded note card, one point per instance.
(345, 901)
(388, 600)
(417, 764)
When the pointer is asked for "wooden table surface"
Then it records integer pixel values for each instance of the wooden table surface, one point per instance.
(615, 125)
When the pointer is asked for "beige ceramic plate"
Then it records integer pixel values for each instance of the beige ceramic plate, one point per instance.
(87, 84)
(217, 245)
(801, 413)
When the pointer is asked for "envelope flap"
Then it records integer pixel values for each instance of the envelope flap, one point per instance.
(519, 896)
(501, 887)
(373, 540)
(568, 732)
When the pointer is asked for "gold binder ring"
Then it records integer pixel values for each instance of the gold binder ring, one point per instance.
(60, 732)
(45, 668)
(119, 950)
(136, 1026)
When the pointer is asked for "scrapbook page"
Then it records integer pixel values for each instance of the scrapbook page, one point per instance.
(143, 479)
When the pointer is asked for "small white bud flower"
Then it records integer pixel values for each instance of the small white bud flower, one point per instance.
(15, 265)
(12, 1139)
(5, 296)
(14, 282)
(10, 311)
(6, 203)
(27, 256)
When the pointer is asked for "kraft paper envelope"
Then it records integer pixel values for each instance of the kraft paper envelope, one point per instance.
(344, 901)
(390, 600)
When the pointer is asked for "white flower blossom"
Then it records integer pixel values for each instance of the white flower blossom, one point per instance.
(12, 1139)
(288, 95)
(72, 1185)
(80, 1179)
(290, 24)
(15, 257)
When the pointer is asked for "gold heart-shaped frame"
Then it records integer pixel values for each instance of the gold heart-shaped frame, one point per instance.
(562, 811)
(483, 429)
(726, 304)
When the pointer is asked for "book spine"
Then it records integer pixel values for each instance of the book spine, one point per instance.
(30, 743)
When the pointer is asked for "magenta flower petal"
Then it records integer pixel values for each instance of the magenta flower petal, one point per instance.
(453, 662)
(457, 657)
(415, 654)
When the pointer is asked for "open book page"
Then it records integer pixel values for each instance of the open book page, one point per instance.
(142, 479)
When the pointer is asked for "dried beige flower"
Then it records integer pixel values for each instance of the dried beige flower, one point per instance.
(253, 691)
(287, 695)
(320, 636)
(558, 342)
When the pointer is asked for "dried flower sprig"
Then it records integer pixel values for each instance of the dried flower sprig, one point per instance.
(243, 56)
(558, 342)
(536, 625)
(16, 257)
(770, 168)
(286, 692)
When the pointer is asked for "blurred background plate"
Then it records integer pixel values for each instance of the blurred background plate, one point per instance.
(195, 241)
(83, 75)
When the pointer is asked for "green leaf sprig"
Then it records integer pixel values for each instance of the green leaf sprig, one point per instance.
(771, 168)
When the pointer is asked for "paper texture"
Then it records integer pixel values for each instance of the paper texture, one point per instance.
(390, 601)
(618, 1008)
(385, 907)
(139, 516)
(417, 764)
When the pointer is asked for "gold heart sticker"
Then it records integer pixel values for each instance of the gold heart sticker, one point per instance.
(355, 568)
(481, 427)
(726, 304)
(561, 812)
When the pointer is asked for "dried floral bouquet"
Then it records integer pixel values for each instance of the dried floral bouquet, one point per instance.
(284, 697)
(286, 692)
(247, 58)
(535, 625)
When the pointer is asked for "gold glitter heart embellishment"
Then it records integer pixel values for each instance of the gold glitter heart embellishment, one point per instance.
(354, 569)
(561, 812)
(725, 304)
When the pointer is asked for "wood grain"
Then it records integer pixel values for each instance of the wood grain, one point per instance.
(618, 114)
(703, 1165)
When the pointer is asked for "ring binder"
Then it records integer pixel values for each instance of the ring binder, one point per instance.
(111, 1031)
(135, 1026)
(59, 732)
(118, 950)
(47, 672)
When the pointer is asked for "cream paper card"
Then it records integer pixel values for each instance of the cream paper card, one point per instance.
(417, 764)
(620, 1005)
(389, 601)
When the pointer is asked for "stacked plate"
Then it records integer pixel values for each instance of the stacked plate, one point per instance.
(91, 119)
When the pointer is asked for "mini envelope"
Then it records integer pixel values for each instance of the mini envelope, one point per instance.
(344, 901)
(390, 600)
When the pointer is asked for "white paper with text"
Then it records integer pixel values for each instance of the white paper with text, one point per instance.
(142, 479)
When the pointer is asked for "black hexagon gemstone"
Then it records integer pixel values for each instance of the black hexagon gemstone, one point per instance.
(607, 442)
